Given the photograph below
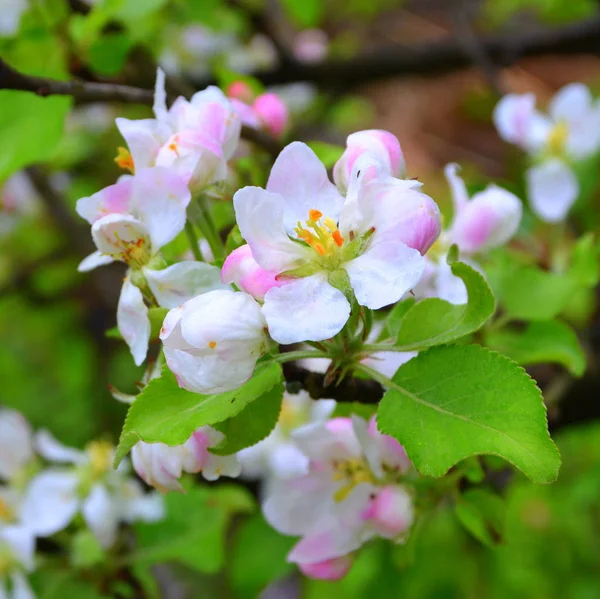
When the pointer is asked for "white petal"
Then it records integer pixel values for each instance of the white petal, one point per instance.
(133, 321)
(384, 273)
(160, 198)
(160, 95)
(308, 309)
(144, 138)
(329, 441)
(217, 466)
(553, 189)
(301, 179)
(135, 504)
(182, 281)
(21, 542)
(100, 512)
(460, 196)
(15, 442)
(54, 451)
(287, 461)
(50, 502)
(570, 102)
(93, 261)
(115, 234)
(368, 444)
(21, 588)
(260, 217)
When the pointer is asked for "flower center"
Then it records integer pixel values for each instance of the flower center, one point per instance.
(557, 138)
(353, 472)
(6, 513)
(100, 454)
(320, 233)
(124, 159)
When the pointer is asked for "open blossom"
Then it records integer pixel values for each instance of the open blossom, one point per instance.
(278, 455)
(324, 246)
(86, 484)
(131, 220)
(487, 220)
(161, 466)
(212, 342)
(381, 145)
(353, 492)
(17, 549)
(194, 138)
(570, 132)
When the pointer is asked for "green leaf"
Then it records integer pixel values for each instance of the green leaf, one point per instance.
(529, 293)
(305, 13)
(328, 154)
(483, 514)
(539, 343)
(435, 321)
(252, 570)
(156, 316)
(252, 424)
(164, 412)
(450, 403)
(397, 314)
(585, 261)
(193, 532)
(86, 551)
(346, 409)
(108, 53)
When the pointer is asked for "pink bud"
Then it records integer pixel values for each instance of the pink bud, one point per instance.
(329, 569)
(390, 511)
(272, 112)
(489, 220)
(382, 144)
(240, 90)
(241, 268)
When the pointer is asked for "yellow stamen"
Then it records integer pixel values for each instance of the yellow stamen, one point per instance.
(314, 215)
(557, 138)
(124, 159)
(101, 455)
(6, 514)
(212, 344)
(323, 236)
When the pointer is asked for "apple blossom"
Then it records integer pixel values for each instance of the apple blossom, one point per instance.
(569, 133)
(267, 111)
(87, 485)
(382, 145)
(194, 138)
(16, 444)
(161, 466)
(278, 455)
(17, 548)
(212, 342)
(486, 221)
(352, 493)
(327, 247)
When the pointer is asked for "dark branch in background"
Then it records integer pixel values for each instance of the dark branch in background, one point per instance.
(349, 390)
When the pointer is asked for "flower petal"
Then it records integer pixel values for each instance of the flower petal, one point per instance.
(460, 196)
(301, 179)
(570, 102)
(260, 217)
(114, 199)
(307, 309)
(16, 448)
(21, 542)
(384, 273)
(182, 281)
(50, 502)
(54, 451)
(117, 234)
(21, 588)
(144, 139)
(133, 321)
(94, 260)
(101, 515)
(553, 188)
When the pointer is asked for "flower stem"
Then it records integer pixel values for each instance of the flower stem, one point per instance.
(193, 239)
(200, 216)
(298, 355)
(375, 347)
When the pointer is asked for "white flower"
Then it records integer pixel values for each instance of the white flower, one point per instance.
(278, 454)
(90, 486)
(194, 138)
(16, 444)
(17, 548)
(352, 492)
(302, 228)
(570, 132)
(161, 466)
(487, 220)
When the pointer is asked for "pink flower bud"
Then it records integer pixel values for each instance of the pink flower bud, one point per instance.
(382, 144)
(240, 90)
(390, 511)
(241, 268)
(329, 569)
(272, 112)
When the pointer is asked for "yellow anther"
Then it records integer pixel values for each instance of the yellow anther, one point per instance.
(6, 513)
(101, 455)
(314, 215)
(557, 138)
(324, 238)
(124, 159)
(212, 344)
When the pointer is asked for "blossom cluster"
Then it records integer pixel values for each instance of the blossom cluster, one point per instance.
(44, 485)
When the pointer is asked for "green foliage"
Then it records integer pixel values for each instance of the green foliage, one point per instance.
(305, 13)
(193, 532)
(251, 569)
(108, 53)
(434, 321)
(555, 11)
(328, 154)
(540, 342)
(166, 413)
(479, 402)
(482, 513)
(86, 551)
(252, 424)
